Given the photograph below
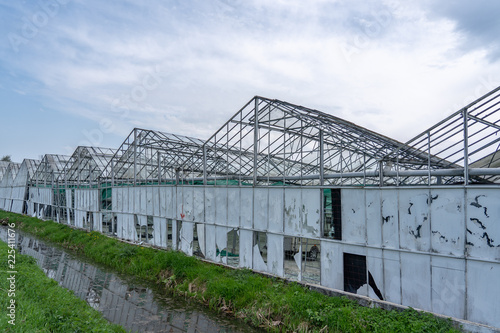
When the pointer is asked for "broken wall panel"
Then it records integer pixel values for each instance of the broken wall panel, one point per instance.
(414, 219)
(187, 205)
(483, 224)
(447, 222)
(160, 232)
(259, 254)
(210, 242)
(246, 245)
(310, 213)
(170, 203)
(156, 201)
(375, 267)
(353, 216)
(221, 244)
(186, 238)
(275, 254)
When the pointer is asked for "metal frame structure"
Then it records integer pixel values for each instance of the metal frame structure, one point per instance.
(149, 157)
(50, 169)
(271, 141)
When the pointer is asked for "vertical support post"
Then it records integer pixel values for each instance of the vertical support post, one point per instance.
(429, 158)
(381, 173)
(204, 164)
(112, 172)
(78, 163)
(159, 169)
(321, 158)
(255, 140)
(135, 156)
(466, 146)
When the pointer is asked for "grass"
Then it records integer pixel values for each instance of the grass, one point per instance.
(41, 305)
(258, 300)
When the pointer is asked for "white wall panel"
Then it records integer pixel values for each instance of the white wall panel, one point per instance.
(260, 209)
(373, 218)
(353, 216)
(210, 242)
(221, 205)
(187, 237)
(447, 221)
(483, 223)
(392, 276)
(414, 222)
(390, 222)
(448, 286)
(292, 208)
(233, 207)
(199, 204)
(375, 266)
(331, 265)
(416, 280)
(246, 207)
(149, 200)
(275, 214)
(210, 205)
(311, 212)
(483, 292)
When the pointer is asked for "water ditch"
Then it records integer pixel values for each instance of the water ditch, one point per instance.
(135, 305)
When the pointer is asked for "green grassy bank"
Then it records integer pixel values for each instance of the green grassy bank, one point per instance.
(258, 300)
(32, 302)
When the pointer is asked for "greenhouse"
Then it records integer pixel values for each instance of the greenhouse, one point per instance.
(303, 195)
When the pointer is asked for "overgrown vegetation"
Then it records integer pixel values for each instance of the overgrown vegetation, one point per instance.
(258, 300)
(41, 305)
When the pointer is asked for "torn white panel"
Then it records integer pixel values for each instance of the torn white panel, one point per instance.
(375, 267)
(246, 241)
(390, 222)
(483, 292)
(353, 216)
(447, 221)
(186, 233)
(175, 234)
(210, 205)
(298, 261)
(448, 286)
(331, 265)
(198, 204)
(120, 225)
(258, 262)
(246, 207)
(260, 208)
(160, 231)
(221, 242)
(221, 205)
(200, 232)
(311, 212)
(292, 211)
(416, 280)
(233, 207)
(130, 194)
(149, 200)
(373, 218)
(275, 210)
(130, 232)
(275, 254)
(210, 242)
(483, 223)
(97, 222)
(414, 222)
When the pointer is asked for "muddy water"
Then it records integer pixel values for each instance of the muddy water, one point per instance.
(122, 300)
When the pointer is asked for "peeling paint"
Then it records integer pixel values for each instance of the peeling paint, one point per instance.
(473, 219)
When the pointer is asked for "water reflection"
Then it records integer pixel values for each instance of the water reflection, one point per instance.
(122, 301)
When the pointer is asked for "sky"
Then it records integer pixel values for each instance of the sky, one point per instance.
(75, 72)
